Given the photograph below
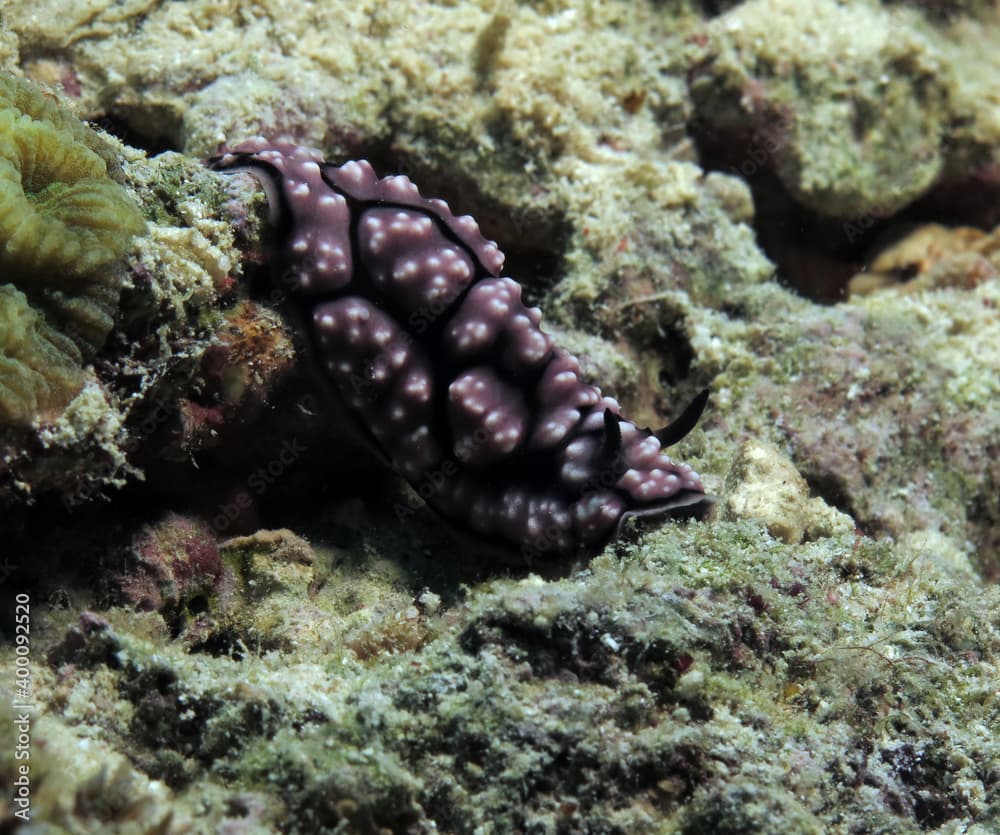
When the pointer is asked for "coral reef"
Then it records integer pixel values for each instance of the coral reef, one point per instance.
(38, 366)
(884, 405)
(249, 637)
(849, 107)
(168, 313)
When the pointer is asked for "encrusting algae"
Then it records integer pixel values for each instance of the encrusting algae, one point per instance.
(65, 225)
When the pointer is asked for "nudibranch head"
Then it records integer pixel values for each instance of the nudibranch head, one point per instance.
(446, 370)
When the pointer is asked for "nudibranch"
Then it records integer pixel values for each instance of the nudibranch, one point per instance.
(446, 370)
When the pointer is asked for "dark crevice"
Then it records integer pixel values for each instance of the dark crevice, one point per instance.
(949, 11)
(149, 128)
(714, 8)
(677, 356)
(984, 520)
(832, 491)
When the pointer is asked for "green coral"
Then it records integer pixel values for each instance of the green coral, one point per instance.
(37, 364)
(64, 225)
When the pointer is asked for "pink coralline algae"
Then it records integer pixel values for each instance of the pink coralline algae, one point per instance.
(447, 372)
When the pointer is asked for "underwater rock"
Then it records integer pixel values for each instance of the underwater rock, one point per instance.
(742, 680)
(845, 103)
(175, 565)
(765, 486)
(929, 256)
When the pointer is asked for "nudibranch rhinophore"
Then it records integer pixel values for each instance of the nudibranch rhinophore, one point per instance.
(447, 372)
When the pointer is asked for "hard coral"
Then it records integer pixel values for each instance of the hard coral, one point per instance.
(38, 365)
(64, 223)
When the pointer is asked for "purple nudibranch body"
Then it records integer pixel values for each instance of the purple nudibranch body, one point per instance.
(447, 371)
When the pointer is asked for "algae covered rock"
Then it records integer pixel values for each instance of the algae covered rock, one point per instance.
(64, 227)
(710, 678)
(846, 103)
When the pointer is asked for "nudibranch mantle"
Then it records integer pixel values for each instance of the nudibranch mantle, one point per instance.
(447, 371)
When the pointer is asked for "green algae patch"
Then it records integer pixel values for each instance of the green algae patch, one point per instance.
(65, 226)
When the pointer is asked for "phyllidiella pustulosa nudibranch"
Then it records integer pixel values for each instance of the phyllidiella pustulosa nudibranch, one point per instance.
(446, 370)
